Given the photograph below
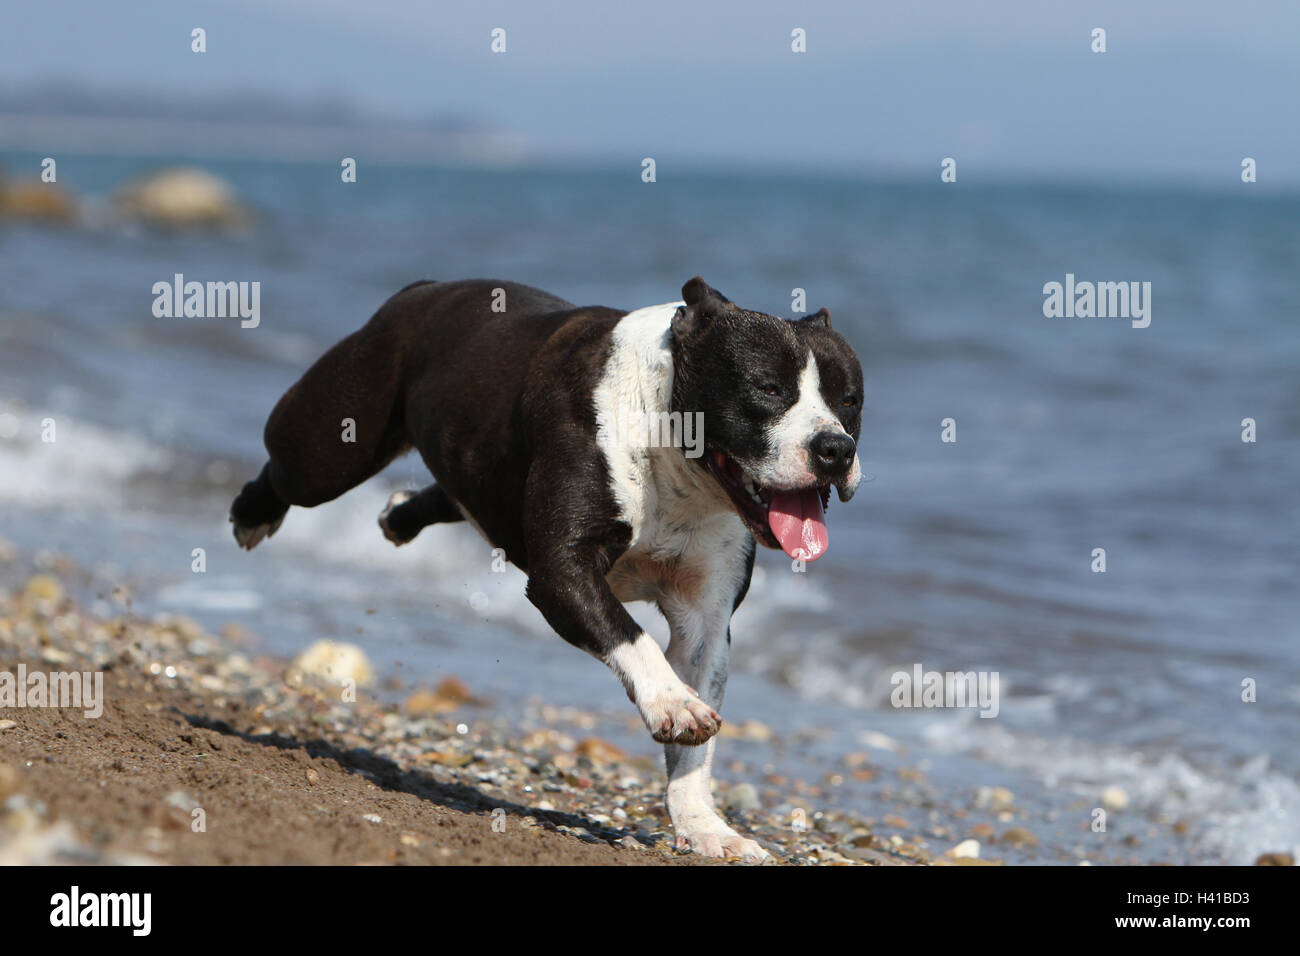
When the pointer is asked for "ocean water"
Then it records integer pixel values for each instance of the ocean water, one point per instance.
(1072, 434)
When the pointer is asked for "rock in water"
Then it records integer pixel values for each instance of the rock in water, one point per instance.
(38, 201)
(181, 198)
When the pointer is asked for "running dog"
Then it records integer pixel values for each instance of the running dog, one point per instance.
(534, 417)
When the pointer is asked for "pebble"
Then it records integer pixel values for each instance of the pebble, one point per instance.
(451, 694)
(966, 849)
(873, 738)
(43, 589)
(175, 812)
(446, 758)
(181, 801)
(747, 730)
(334, 661)
(1275, 859)
(1018, 836)
(743, 797)
(7, 724)
(874, 857)
(54, 655)
(994, 798)
(10, 782)
(599, 750)
(1114, 798)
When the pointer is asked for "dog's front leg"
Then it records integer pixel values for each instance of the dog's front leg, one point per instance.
(571, 548)
(582, 609)
(698, 651)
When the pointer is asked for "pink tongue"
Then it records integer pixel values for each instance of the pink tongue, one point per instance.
(797, 520)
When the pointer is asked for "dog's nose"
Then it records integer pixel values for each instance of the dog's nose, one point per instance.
(832, 453)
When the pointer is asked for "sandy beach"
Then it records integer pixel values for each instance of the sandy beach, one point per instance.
(206, 752)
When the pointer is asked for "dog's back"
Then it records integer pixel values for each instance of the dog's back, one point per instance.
(439, 367)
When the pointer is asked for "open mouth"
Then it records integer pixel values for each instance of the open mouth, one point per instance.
(792, 519)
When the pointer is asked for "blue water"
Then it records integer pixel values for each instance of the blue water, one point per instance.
(1072, 434)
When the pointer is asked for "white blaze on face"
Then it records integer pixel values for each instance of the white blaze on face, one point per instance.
(788, 465)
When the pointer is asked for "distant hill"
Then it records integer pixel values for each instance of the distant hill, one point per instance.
(75, 118)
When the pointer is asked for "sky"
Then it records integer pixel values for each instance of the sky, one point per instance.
(1009, 88)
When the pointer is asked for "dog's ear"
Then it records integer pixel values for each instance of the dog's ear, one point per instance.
(703, 302)
(685, 322)
(821, 317)
(704, 298)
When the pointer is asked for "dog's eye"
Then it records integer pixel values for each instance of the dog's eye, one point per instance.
(769, 388)
(850, 401)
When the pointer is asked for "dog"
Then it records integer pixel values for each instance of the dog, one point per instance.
(529, 410)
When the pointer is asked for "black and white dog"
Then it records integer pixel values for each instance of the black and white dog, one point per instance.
(535, 418)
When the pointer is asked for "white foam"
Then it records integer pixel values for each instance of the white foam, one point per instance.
(196, 596)
(84, 463)
(1232, 817)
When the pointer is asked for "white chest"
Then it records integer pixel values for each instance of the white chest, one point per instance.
(684, 529)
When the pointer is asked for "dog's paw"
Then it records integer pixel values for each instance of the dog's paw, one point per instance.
(720, 842)
(679, 717)
(248, 537)
(397, 498)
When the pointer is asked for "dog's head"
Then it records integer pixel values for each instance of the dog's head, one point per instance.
(782, 407)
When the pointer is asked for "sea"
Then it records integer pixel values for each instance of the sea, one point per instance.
(1009, 456)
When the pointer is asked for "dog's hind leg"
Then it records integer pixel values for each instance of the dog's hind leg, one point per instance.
(409, 512)
(257, 511)
(337, 426)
